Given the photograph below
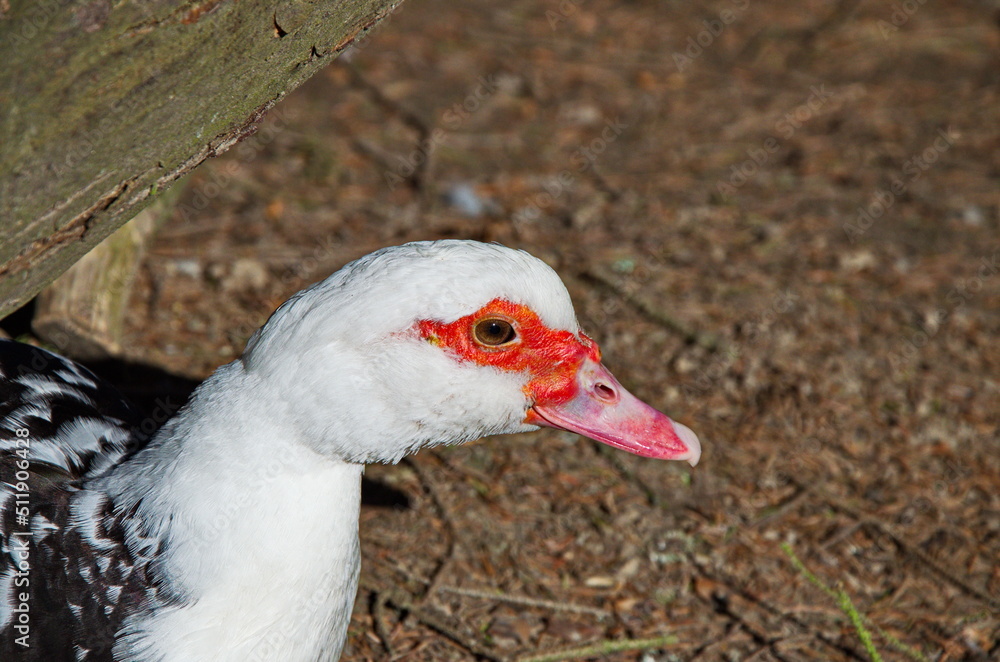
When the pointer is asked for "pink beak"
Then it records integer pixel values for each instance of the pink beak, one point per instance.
(604, 411)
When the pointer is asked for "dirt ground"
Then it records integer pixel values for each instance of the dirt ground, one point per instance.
(781, 224)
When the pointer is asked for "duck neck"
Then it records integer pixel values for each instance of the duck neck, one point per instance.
(260, 529)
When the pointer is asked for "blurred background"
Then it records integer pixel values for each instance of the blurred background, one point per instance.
(780, 222)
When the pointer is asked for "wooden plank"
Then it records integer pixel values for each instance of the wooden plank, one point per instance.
(82, 313)
(107, 104)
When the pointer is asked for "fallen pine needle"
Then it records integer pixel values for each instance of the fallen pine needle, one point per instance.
(860, 622)
(526, 601)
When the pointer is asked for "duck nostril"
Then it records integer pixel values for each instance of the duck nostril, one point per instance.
(605, 392)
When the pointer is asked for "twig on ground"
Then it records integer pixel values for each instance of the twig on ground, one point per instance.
(391, 106)
(603, 185)
(991, 602)
(498, 596)
(781, 510)
(840, 13)
(732, 585)
(860, 622)
(844, 533)
(599, 648)
(421, 167)
(615, 458)
(761, 638)
(429, 617)
(804, 38)
(378, 612)
(732, 628)
(526, 601)
(477, 478)
(445, 515)
(708, 341)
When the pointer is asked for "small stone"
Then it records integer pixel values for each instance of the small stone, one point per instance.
(599, 581)
(190, 268)
(247, 274)
(465, 200)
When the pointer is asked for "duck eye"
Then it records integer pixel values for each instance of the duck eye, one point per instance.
(493, 332)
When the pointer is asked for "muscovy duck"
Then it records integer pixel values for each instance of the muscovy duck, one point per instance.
(232, 534)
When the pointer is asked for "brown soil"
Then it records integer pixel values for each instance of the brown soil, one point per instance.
(841, 369)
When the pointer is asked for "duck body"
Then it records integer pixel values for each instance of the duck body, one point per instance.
(233, 533)
(185, 552)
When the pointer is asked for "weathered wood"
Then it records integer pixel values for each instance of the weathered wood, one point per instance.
(82, 312)
(103, 105)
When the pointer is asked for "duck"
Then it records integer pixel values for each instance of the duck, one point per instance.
(231, 533)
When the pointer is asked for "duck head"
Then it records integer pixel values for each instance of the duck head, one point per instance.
(445, 342)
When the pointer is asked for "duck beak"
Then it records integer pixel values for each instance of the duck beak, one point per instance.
(603, 410)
